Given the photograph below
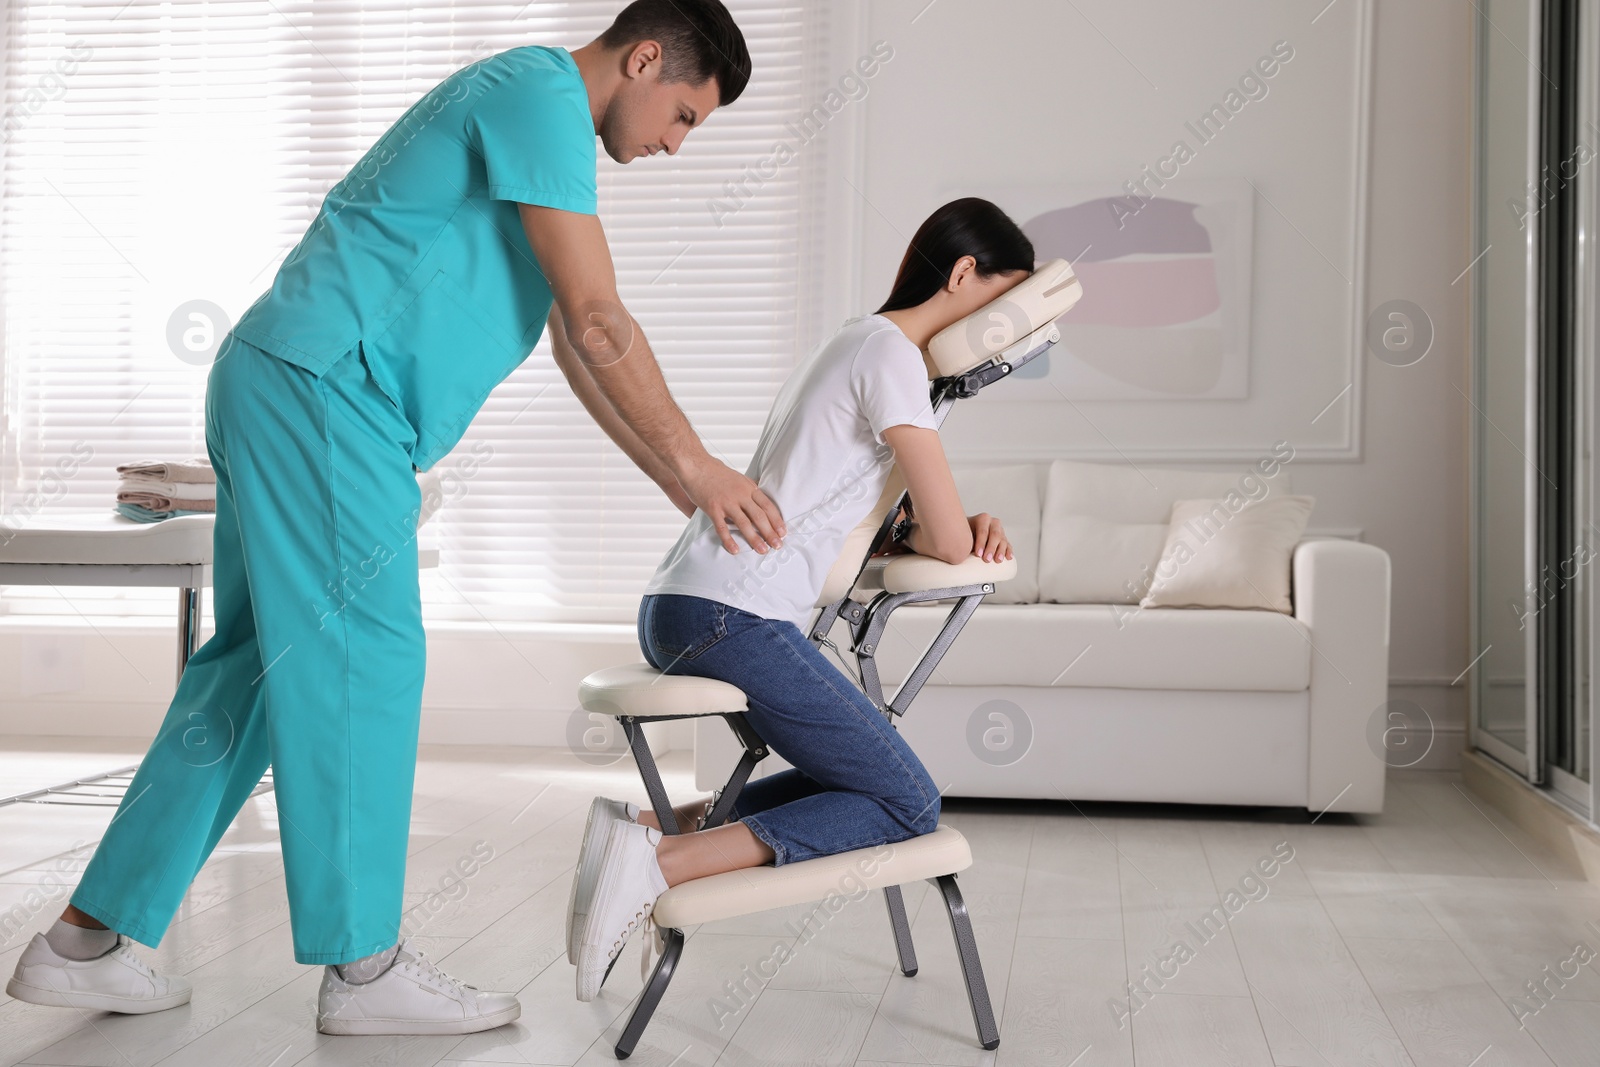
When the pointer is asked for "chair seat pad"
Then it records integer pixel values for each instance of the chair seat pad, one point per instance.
(108, 539)
(911, 573)
(638, 689)
(743, 892)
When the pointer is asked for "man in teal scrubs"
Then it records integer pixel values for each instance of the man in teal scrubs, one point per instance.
(428, 275)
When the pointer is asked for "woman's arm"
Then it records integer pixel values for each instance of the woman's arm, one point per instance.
(939, 529)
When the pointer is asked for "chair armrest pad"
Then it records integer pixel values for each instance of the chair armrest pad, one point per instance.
(911, 573)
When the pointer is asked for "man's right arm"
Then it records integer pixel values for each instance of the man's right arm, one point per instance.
(572, 252)
(600, 409)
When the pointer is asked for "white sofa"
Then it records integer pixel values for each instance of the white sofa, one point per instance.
(1103, 701)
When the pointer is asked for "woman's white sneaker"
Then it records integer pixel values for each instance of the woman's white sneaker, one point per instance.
(117, 981)
(412, 997)
(625, 894)
(602, 813)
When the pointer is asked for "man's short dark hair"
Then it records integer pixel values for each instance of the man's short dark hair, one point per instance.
(698, 39)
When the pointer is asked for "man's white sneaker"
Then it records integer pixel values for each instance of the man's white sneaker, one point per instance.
(602, 813)
(625, 895)
(412, 997)
(118, 981)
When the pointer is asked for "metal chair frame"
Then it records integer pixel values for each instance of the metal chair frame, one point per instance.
(867, 622)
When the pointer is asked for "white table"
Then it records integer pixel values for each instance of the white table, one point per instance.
(107, 549)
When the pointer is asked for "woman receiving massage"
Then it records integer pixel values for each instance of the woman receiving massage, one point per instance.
(857, 406)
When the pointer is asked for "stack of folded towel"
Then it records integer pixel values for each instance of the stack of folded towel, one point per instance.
(152, 490)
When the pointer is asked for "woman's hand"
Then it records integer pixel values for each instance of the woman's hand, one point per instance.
(988, 538)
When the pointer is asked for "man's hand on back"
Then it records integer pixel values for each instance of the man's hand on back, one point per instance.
(728, 497)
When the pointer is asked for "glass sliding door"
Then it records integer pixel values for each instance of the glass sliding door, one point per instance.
(1572, 755)
(1503, 277)
(1536, 401)
(1564, 551)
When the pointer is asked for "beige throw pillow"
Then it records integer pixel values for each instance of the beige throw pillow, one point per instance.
(1229, 553)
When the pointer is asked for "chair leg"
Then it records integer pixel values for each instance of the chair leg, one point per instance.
(652, 994)
(902, 930)
(642, 758)
(971, 968)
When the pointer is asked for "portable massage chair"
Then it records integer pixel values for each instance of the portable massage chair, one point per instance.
(862, 590)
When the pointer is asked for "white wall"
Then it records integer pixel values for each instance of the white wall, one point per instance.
(984, 95)
(1042, 80)
(514, 685)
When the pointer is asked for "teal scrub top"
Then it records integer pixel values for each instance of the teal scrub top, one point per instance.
(418, 255)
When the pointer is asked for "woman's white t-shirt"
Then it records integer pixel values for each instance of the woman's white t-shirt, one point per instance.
(822, 459)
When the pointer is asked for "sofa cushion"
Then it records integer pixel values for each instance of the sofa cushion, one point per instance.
(1105, 645)
(1104, 524)
(1230, 553)
(1099, 561)
(1010, 494)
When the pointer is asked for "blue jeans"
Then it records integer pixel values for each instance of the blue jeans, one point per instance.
(854, 783)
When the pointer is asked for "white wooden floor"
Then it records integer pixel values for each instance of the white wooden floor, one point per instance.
(1404, 939)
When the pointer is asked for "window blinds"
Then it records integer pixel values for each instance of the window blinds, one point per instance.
(160, 159)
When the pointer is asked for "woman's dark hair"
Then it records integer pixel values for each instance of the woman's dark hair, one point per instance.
(698, 39)
(970, 226)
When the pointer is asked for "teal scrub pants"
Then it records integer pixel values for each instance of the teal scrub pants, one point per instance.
(316, 667)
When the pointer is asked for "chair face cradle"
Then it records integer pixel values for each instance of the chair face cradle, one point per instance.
(963, 359)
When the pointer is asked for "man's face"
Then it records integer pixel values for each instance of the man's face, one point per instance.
(647, 116)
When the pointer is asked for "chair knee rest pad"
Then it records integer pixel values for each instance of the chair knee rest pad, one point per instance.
(637, 689)
(845, 874)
